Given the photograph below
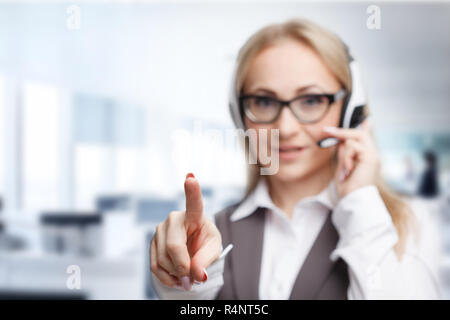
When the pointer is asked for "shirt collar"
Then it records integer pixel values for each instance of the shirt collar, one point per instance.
(260, 198)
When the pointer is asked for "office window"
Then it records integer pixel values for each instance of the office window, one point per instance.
(2, 136)
(108, 137)
(127, 169)
(104, 121)
(91, 174)
(102, 169)
(41, 147)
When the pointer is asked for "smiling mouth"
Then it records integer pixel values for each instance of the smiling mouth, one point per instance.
(290, 149)
(290, 153)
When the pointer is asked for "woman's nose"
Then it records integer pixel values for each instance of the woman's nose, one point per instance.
(287, 123)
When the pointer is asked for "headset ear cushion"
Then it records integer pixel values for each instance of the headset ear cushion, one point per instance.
(344, 109)
(358, 116)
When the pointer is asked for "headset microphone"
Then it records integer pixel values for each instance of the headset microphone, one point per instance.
(353, 108)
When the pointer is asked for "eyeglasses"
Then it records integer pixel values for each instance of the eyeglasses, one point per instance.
(308, 108)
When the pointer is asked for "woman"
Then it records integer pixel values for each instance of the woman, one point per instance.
(324, 226)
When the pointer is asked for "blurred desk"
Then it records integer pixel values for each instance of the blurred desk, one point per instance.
(101, 278)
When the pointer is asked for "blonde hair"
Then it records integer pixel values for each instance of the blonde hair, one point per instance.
(334, 54)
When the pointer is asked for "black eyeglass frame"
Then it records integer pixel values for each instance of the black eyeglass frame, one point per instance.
(332, 98)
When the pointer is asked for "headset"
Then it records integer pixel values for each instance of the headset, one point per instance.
(353, 108)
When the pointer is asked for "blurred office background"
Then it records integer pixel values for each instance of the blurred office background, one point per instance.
(99, 101)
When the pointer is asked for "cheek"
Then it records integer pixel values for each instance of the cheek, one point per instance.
(257, 128)
(330, 120)
(332, 117)
(319, 156)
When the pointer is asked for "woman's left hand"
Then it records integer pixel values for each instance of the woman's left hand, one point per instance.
(358, 160)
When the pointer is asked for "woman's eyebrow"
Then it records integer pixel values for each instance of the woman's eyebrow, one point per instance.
(264, 91)
(300, 90)
(309, 87)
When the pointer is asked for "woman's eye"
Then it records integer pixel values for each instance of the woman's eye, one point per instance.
(312, 101)
(264, 102)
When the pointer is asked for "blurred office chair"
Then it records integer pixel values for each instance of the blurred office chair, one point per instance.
(9, 242)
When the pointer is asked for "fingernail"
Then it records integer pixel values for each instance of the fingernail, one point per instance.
(205, 275)
(186, 283)
(330, 129)
(342, 174)
(177, 286)
(190, 175)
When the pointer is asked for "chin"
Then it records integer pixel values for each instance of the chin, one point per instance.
(292, 172)
(301, 169)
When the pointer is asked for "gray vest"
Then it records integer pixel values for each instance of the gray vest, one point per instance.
(318, 278)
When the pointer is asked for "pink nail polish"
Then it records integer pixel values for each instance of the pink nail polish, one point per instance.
(342, 174)
(186, 281)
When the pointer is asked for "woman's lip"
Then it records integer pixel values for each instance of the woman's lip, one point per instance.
(290, 152)
(290, 148)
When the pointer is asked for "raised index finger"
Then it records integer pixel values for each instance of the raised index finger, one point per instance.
(194, 201)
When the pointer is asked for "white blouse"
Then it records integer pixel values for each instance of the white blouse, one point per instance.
(366, 243)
